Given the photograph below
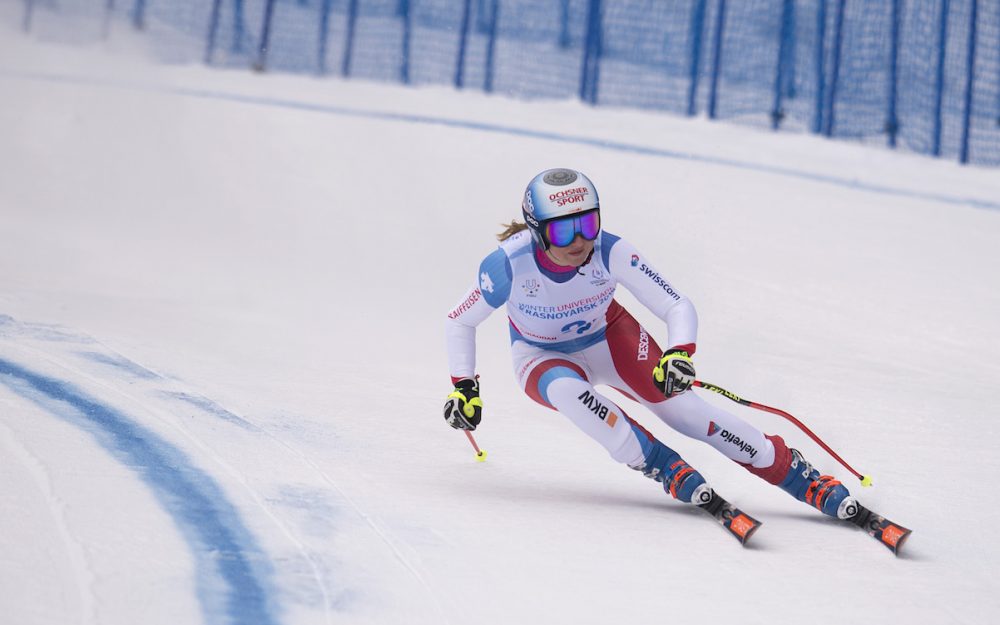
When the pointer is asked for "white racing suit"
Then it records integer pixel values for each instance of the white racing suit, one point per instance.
(568, 334)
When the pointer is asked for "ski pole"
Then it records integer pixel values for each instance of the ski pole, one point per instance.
(866, 480)
(480, 453)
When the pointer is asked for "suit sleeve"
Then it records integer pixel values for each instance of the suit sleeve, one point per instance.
(491, 290)
(643, 280)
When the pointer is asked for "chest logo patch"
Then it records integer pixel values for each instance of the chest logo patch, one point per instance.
(599, 278)
(579, 326)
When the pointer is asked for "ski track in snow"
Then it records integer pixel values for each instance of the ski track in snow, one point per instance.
(193, 499)
(212, 408)
(130, 438)
(72, 548)
(223, 548)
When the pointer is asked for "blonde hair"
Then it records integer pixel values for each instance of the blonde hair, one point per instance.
(511, 229)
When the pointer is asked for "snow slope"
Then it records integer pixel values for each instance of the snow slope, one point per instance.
(222, 366)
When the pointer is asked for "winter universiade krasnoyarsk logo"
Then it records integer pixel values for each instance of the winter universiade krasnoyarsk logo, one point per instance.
(599, 277)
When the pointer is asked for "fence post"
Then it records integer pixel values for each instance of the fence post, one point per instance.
(463, 40)
(777, 114)
(491, 46)
(820, 66)
(139, 15)
(892, 122)
(788, 89)
(970, 78)
(109, 9)
(265, 37)
(838, 41)
(324, 35)
(482, 16)
(939, 84)
(238, 27)
(564, 39)
(29, 8)
(713, 92)
(695, 33)
(588, 43)
(590, 73)
(406, 13)
(213, 27)
(598, 52)
(352, 19)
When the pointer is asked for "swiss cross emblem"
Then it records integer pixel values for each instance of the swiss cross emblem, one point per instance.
(485, 283)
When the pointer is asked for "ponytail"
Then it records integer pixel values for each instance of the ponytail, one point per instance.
(511, 229)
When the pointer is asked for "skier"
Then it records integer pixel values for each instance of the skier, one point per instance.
(557, 275)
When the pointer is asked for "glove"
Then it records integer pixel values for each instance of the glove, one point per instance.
(675, 373)
(464, 409)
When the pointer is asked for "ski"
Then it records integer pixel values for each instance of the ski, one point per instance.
(738, 523)
(890, 534)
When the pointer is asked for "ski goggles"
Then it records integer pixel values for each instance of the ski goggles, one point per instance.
(561, 232)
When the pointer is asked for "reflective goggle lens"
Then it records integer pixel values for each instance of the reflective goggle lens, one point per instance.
(561, 232)
(590, 225)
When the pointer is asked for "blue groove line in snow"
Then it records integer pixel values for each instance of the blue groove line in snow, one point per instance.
(212, 408)
(848, 183)
(233, 573)
(120, 363)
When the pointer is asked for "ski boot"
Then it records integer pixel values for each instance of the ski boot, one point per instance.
(832, 498)
(685, 484)
(665, 465)
(823, 492)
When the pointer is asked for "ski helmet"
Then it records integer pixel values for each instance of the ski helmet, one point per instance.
(556, 193)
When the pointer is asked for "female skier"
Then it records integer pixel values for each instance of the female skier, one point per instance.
(557, 275)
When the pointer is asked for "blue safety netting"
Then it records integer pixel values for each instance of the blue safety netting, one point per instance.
(921, 75)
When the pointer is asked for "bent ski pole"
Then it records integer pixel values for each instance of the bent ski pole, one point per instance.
(866, 480)
(480, 453)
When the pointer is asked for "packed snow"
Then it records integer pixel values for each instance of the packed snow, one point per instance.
(222, 361)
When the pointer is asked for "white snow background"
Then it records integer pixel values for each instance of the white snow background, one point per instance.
(222, 366)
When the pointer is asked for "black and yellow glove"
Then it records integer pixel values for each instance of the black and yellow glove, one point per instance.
(464, 409)
(675, 373)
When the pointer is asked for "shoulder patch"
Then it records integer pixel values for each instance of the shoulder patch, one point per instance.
(608, 241)
(495, 275)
